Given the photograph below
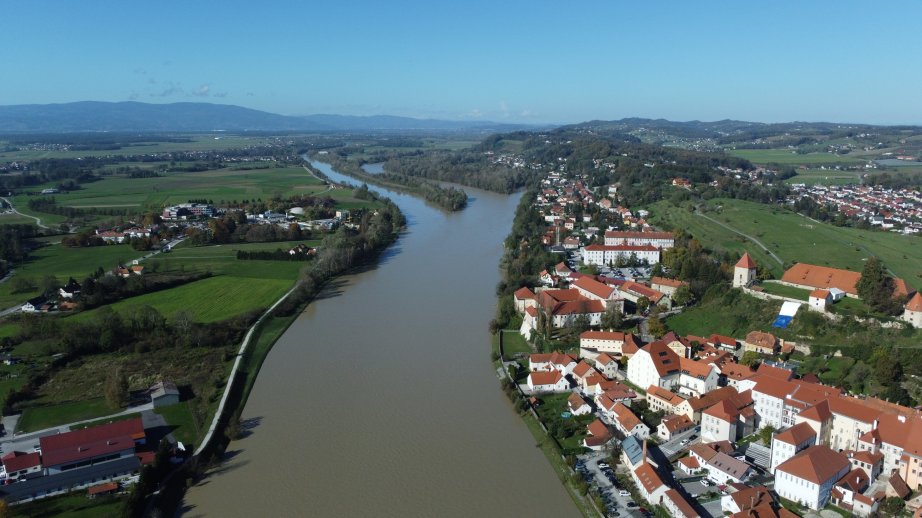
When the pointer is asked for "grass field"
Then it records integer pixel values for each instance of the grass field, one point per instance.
(825, 177)
(198, 143)
(787, 157)
(63, 262)
(785, 291)
(41, 417)
(795, 238)
(217, 185)
(208, 300)
(74, 505)
(180, 417)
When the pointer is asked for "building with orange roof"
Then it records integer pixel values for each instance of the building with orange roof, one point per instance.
(592, 343)
(626, 421)
(558, 361)
(606, 364)
(790, 442)
(677, 506)
(745, 271)
(672, 425)
(734, 373)
(778, 401)
(595, 290)
(634, 291)
(576, 405)
(523, 297)
(666, 286)
(547, 381)
(746, 498)
(719, 422)
(810, 276)
(761, 342)
(660, 240)
(912, 313)
(597, 435)
(663, 400)
(649, 484)
(819, 300)
(809, 477)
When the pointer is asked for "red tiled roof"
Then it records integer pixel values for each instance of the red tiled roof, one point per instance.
(822, 277)
(819, 294)
(665, 360)
(621, 248)
(91, 442)
(545, 377)
(648, 478)
(746, 262)
(625, 417)
(594, 287)
(915, 303)
(673, 283)
(575, 401)
(664, 394)
(17, 460)
(796, 435)
(681, 503)
(676, 422)
(630, 234)
(524, 293)
(816, 464)
(108, 487)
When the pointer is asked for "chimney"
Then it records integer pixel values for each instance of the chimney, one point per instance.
(644, 451)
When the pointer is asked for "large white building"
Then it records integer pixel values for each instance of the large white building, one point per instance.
(604, 255)
(661, 240)
(658, 365)
(791, 442)
(808, 477)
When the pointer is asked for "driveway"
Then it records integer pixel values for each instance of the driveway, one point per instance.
(674, 446)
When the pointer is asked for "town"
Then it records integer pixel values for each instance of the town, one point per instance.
(697, 425)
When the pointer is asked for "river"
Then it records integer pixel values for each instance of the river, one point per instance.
(381, 400)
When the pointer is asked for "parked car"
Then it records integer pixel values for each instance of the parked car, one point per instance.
(624, 492)
(705, 482)
(685, 441)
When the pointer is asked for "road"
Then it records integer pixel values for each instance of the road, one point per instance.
(674, 446)
(747, 236)
(38, 221)
(606, 487)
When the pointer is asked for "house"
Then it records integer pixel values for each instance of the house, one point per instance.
(548, 381)
(666, 286)
(719, 422)
(164, 393)
(633, 452)
(34, 305)
(111, 236)
(724, 469)
(70, 290)
(848, 494)
(779, 401)
(607, 365)
(819, 300)
(649, 484)
(808, 477)
(597, 435)
(662, 400)
(634, 291)
(724, 343)
(745, 271)
(17, 464)
(595, 290)
(672, 425)
(790, 442)
(809, 276)
(745, 499)
(762, 343)
(656, 364)
(736, 375)
(627, 422)
(913, 311)
(523, 297)
(677, 506)
(557, 361)
(577, 405)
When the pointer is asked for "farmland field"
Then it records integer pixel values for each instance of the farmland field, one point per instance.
(787, 157)
(198, 143)
(825, 177)
(208, 300)
(795, 238)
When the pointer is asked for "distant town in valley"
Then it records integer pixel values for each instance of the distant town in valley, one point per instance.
(693, 319)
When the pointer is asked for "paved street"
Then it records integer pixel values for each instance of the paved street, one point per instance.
(674, 445)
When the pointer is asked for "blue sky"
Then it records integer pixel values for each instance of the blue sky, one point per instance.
(522, 61)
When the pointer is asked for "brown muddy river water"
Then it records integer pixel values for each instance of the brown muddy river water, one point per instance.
(381, 400)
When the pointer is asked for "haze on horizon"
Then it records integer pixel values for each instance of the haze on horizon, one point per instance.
(528, 62)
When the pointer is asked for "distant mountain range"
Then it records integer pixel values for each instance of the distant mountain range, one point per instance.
(91, 116)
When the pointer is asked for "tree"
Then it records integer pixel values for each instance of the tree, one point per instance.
(892, 506)
(612, 318)
(875, 288)
(656, 327)
(682, 295)
(117, 389)
(749, 358)
(642, 304)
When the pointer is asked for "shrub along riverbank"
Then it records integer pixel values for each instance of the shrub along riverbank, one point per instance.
(449, 198)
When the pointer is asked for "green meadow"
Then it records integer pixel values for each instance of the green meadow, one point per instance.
(795, 238)
(788, 157)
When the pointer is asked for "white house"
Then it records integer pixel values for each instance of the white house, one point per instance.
(819, 300)
(672, 425)
(649, 484)
(548, 381)
(577, 405)
(557, 361)
(627, 422)
(808, 477)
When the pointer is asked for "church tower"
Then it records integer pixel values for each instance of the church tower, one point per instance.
(744, 272)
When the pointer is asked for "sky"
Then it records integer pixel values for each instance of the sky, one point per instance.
(508, 61)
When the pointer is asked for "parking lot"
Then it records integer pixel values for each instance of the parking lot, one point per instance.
(603, 478)
(673, 446)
